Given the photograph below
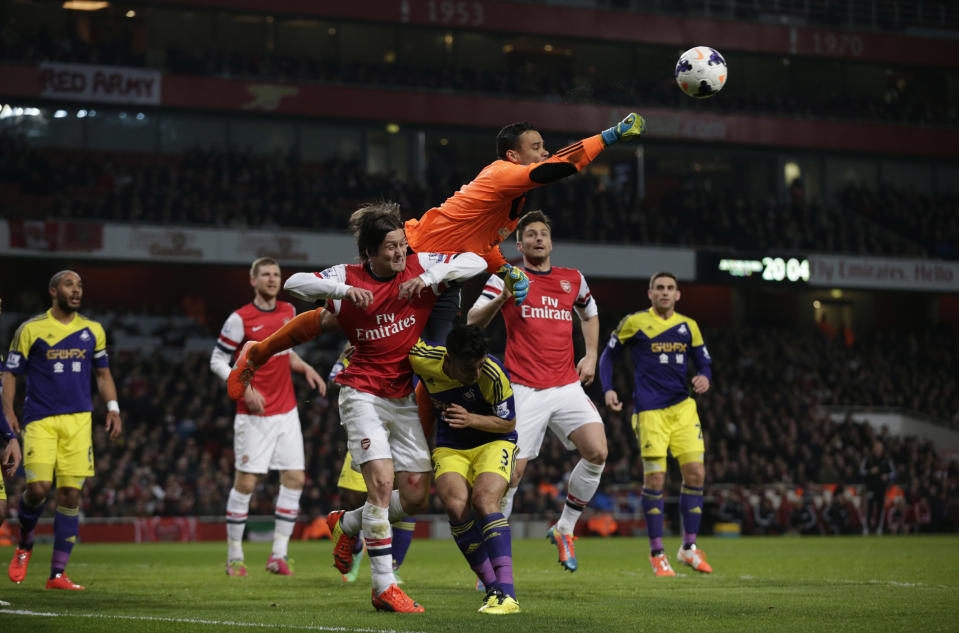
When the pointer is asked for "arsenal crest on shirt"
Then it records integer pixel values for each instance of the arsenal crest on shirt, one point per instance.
(565, 285)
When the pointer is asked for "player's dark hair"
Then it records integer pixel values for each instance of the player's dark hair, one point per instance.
(370, 224)
(652, 280)
(508, 137)
(58, 277)
(262, 261)
(466, 343)
(529, 218)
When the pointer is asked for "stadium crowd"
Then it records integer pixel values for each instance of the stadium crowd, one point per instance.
(242, 189)
(901, 96)
(767, 429)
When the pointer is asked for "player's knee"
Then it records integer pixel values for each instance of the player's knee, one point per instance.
(37, 491)
(416, 504)
(457, 509)
(379, 490)
(245, 485)
(590, 439)
(596, 454)
(68, 497)
(486, 502)
(654, 481)
(293, 479)
(694, 477)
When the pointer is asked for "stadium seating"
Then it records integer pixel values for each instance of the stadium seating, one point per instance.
(241, 189)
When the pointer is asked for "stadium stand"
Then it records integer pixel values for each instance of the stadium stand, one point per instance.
(240, 189)
(902, 95)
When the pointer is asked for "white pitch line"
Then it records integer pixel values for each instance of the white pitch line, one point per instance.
(149, 618)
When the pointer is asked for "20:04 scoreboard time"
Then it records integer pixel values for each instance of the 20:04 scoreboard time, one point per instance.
(771, 268)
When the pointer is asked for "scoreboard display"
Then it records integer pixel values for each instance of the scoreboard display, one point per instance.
(772, 268)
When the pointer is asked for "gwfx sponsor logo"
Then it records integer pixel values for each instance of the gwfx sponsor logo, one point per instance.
(66, 354)
(667, 347)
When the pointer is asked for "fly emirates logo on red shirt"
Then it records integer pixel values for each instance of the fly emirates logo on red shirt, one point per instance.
(550, 310)
(386, 325)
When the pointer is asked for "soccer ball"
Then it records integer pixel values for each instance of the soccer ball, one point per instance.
(701, 72)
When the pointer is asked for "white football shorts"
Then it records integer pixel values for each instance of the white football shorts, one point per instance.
(564, 409)
(384, 428)
(268, 442)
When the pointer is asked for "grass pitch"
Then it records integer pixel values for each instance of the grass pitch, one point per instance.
(836, 584)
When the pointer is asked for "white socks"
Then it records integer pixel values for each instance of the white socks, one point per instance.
(583, 482)
(237, 509)
(352, 521)
(379, 546)
(287, 509)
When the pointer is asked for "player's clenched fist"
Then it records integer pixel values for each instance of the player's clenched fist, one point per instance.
(630, 127)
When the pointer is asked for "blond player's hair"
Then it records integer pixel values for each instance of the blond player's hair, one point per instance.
(259, 262)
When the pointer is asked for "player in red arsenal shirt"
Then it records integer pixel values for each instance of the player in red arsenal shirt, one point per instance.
(547, 384)
(267, 433)
(382, 304)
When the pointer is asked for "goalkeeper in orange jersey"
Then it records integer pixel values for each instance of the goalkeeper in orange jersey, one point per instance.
(475, 219)
(485, 211)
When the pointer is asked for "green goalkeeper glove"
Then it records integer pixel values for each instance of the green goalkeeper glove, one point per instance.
(516, 281)
(630, 127)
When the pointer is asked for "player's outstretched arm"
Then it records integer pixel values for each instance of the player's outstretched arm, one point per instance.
(570, 159)
(108, 391)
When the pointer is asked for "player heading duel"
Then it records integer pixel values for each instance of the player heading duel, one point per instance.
(475, 219)
(486, 210)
